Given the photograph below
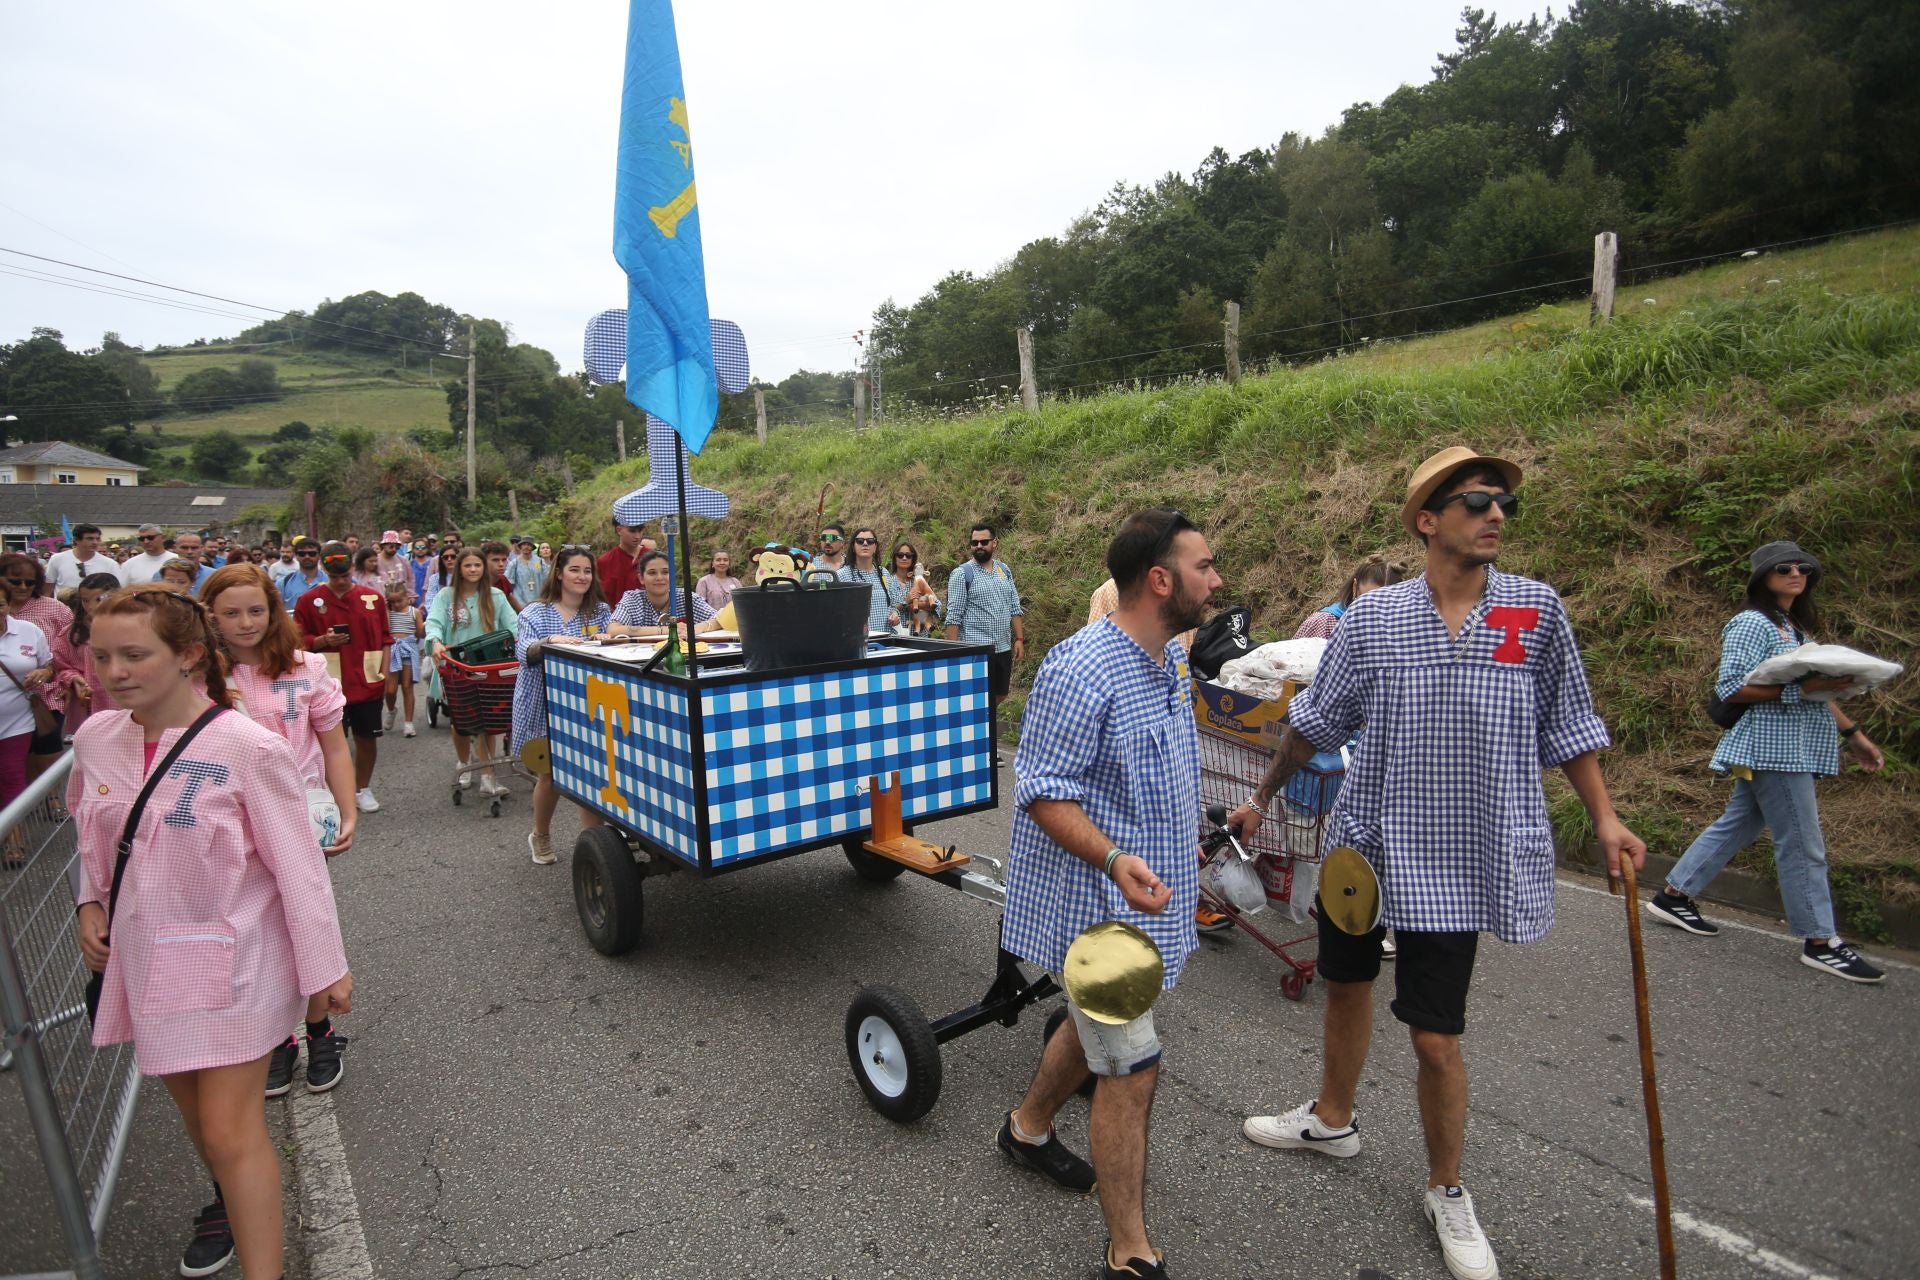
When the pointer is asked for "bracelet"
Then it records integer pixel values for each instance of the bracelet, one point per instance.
(1850, 730)
(1254, 805)
(1113, 855)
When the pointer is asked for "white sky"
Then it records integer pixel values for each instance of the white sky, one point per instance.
(847, 151)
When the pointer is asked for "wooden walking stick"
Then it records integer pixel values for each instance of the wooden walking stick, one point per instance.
(1650, 1090)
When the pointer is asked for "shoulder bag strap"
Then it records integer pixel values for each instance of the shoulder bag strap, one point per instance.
(125, 848)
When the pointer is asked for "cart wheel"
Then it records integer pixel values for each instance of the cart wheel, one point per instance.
(1293, 985)
(894, 1055)
(493, 809)
(606, 891)
(457, 794)
(1054, 1020)
(871, 866)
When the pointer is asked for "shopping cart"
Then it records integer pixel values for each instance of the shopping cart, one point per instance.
(479, 703)
(1287, 847)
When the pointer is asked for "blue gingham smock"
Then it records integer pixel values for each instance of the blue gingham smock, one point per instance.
(1443, 796)
(1792, 735)
(1111, 728)
(887, 596)
(983, 603)
(538, 622)
(635, 610)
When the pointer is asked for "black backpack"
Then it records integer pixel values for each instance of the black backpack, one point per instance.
(1220, 639)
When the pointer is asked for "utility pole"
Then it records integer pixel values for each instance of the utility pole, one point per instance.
(1029, 392)
(1233, 342)
(1606, 275)
(760, 414)
(620, 437)
(473, 489)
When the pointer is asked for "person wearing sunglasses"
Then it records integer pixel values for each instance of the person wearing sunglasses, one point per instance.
(833, 547)
(910, 582)
(887, 605)
(24, 580)
(983, 607)
(1468, 683)
(1782, 741)
(306, 574)
(145, 567)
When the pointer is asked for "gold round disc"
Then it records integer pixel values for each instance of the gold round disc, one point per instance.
(1113, 972)
(1350, 892)
(533, 754)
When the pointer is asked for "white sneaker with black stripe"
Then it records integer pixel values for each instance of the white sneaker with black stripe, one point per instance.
(1462, 1243)
(1840, 960)
(1301, 1129)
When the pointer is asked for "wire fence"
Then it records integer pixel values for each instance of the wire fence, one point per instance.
(79, 1101)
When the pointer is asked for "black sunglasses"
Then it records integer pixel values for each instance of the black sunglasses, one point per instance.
(1477, 501)
(905, 555)
(22, 582)
(980, 542)
(567, 549)
(1792, 567)
(866, 542)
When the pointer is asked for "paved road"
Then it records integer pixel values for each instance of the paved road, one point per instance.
(518, 1105)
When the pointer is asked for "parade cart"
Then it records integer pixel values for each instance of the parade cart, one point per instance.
(726, 768)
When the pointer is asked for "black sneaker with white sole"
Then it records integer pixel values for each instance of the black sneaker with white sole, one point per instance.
(280, 1068)
(324, 1065)
(212, 1245)
(1842, 961)
(1050, 1159)
(1677, 910)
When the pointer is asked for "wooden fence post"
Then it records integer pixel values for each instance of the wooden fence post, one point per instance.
(513, 508)
(760, 414)
(1233, 343)
(620, 437)
(1029, 389)
(1606, 274)
(566, 472)
(859, 403)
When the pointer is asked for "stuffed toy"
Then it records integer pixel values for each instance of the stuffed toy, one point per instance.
(776, 560)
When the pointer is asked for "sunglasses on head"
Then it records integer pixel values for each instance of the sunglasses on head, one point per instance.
(1477, 501)
(1792, 567)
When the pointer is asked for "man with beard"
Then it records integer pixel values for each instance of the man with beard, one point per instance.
(983, 607)
(1469, 684)
(1106, 811)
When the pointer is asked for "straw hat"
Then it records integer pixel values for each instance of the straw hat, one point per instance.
(1430, 474)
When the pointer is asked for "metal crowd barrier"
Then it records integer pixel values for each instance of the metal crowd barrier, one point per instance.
(79, 1100)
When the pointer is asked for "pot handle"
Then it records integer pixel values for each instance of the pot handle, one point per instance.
(808, 577)
(778, 580)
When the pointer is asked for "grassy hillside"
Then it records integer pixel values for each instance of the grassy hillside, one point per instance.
(1773, 397)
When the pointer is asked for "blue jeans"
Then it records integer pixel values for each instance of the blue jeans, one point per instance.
(1782, 803)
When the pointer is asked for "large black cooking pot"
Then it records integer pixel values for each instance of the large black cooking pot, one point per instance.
(786, 622)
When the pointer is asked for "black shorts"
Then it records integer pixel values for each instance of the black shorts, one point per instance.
(1430, 978)
(1000, 673)
(364, 719)
(49, 743)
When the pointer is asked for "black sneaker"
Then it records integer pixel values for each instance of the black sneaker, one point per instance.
(324, 1067)
(1051, 1159)
(1154, 1268)
(1677, 910)
(212, 1245)
(1841, 961)
(280, 1070)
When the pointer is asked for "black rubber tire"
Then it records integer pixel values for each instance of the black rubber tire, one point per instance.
(458, 796)
(871, 867)
(915, 1052)
(607, 891)
(1054, 1019)
(493, 808)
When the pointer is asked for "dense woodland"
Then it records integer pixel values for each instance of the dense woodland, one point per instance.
(1689, 128)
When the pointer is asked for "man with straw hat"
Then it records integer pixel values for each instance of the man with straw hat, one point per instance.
(1106, 814)
(1469, 684)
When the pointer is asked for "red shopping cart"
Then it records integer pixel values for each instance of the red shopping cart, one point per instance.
(479, 704)
(1287, 849)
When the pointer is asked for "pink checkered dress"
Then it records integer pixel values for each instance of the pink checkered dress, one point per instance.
(226, 921)
(299, 706)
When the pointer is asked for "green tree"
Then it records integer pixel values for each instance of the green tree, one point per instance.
(219, 455)
(59, 394)
(208, 391)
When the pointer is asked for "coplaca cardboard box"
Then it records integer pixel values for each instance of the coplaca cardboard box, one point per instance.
(1254, 721)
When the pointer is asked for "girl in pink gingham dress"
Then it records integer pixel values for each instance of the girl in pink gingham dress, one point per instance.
(225, 923)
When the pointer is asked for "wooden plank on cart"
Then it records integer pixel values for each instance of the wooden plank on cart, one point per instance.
(890, 838)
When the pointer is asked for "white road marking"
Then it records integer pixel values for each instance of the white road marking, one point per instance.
(1738, 1245)
(330, 1233)
(1880, 961)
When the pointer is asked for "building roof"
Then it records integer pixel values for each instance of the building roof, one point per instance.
(170, 506)
(58, 453)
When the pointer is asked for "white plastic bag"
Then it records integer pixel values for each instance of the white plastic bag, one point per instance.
(1236, 882)
(1868, 672)
(1290, 884)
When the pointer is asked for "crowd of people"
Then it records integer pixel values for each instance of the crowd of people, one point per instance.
(262, 678)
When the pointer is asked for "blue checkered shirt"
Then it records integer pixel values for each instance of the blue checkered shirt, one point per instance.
(1443, 795)
(1789, 736)
(635, 610)
(983, 602)
(1108, 727)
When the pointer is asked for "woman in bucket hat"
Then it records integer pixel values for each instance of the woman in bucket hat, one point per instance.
(1773, 752)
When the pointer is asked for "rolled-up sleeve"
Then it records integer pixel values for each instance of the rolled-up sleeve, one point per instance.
(1568, 725)
(1059, 738)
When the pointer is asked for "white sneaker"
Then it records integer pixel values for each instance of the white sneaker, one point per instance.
(363, 801)
(464, 781)
(1462, 1242)
(1302, 1129)
(406, 730)
(391, 717)
(542, 847)
(488, 787)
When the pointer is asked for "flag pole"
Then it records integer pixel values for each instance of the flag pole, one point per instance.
(686, 555)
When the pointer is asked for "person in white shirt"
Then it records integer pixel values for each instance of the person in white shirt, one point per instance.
(145, 567)
(278, 569)
(66, 568)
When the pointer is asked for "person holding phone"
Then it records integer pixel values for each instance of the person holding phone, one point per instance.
(347, 624)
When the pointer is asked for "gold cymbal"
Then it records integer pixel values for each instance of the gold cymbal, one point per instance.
(533, 754)
(1350, 892)
(1114, 972)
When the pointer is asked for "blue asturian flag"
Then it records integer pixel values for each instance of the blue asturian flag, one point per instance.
(66, 530)
(656, 235)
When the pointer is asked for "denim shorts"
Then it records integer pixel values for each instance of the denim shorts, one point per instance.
(1117, 1050)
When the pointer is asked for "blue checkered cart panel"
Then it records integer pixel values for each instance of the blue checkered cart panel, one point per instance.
(651, 787)
(788, 759)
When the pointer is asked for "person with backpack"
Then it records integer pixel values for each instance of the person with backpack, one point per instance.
(983, 607)
(1374, 571)
(1781, 740)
